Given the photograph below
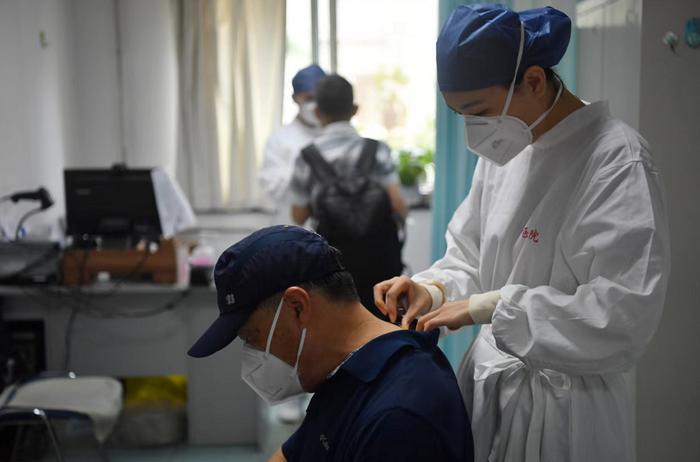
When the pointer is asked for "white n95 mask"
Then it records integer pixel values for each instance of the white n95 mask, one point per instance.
(271, 378)
(501, 138)
(307, 113)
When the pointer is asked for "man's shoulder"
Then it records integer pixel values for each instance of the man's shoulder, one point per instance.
(416, 377)
(294, 133)
(421, 369)
(345, 133)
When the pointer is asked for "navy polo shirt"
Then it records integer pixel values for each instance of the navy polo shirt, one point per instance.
(394, 399)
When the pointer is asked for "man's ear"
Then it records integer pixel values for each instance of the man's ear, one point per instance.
(355, 107)
(298, 300)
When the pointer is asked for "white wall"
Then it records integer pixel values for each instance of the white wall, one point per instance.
(97, 131)
(668, 378)
(147, 32)
(142, 132)
(623, 59)
(35, 102)
(609, 54)
(59, 102)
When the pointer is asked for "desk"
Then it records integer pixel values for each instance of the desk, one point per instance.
(221, 408)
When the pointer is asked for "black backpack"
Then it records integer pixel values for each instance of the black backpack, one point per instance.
(350, 208)
(354, 214)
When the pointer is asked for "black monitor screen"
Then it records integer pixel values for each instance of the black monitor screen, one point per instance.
(111, 203)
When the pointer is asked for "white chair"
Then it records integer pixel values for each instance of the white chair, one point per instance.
(43, 399)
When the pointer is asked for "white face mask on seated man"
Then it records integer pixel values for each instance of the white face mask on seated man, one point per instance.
(271, 378)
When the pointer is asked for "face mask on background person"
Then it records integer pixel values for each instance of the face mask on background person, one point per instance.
(271, 378)
(501, 138)
(307, 113)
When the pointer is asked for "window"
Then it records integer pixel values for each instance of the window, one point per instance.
(386, 49)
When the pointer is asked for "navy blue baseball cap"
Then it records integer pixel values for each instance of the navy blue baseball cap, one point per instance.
(306, 79)
(478, 45)
(267, 262)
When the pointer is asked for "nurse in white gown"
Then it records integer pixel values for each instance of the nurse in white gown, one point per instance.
(560, 251)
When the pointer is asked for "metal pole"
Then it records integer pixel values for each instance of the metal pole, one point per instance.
(314, 31)
(332, 7)
(120, 79)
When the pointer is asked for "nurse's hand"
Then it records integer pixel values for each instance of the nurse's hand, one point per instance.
(452, 314)
(388, 293)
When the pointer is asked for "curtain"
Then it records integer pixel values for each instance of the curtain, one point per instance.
(231, 70)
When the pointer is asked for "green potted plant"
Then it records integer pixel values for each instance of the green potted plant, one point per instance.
(414, 166)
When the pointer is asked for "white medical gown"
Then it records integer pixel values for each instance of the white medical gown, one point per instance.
(281, 151)
(573, 232)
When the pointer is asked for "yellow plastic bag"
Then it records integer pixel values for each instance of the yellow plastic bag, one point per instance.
(167, 391)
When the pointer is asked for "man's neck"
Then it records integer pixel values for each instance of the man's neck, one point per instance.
(366, 328)
(326, 122)
(352, 328)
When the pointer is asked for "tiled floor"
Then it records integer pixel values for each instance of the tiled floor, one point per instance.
(80, 446)
(188, 454)
(272, 438)
(169, 454)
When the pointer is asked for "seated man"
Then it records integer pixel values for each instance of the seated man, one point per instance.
(381, 393)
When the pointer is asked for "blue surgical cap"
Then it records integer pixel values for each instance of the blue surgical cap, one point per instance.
(306, 79)
(478, 45)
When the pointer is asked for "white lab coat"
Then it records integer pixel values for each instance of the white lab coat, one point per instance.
(281, 151)
(573, 233)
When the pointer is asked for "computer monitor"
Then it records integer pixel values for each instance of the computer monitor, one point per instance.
(113, 203)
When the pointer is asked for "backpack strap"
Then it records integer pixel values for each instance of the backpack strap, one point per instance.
(368, 156)
(320, 168)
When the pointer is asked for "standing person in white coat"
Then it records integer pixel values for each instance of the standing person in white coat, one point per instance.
(285, 143)
(560, 252)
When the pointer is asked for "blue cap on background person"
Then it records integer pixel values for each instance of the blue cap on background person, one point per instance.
(267, 262)
(306, 79)
(478, 45)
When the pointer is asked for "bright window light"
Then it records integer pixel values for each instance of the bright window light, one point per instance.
(386, 49)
